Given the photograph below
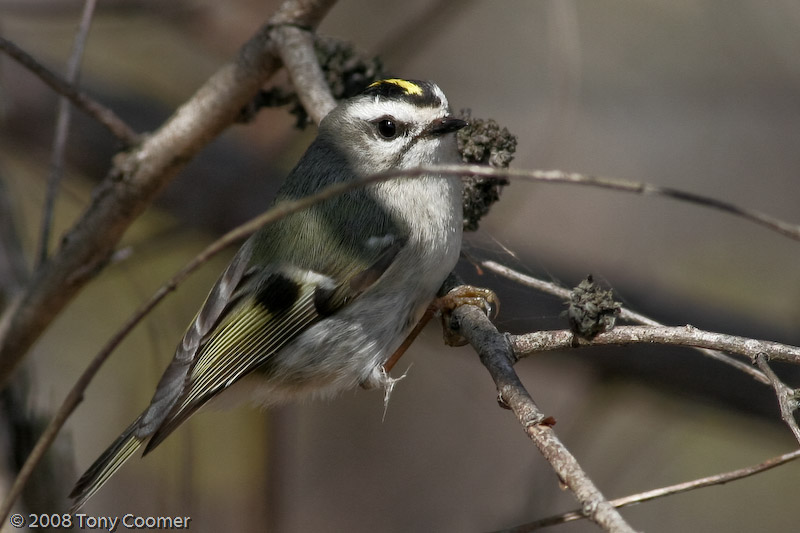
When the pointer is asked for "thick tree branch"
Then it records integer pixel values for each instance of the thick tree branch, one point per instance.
(139, 175)
(495, 354)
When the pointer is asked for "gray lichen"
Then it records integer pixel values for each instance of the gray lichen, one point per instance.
(592, 310)
(483, 142)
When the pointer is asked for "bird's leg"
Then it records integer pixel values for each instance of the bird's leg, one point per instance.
(398, 353)
(444, 307)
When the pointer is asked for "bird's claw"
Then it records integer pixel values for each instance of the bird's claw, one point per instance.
(484, 299)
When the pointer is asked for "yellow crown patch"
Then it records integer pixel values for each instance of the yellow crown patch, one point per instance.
(407, 86)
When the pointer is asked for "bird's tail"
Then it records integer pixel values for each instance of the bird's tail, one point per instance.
(105, 466)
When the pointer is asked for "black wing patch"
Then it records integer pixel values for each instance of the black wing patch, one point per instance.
(277, 293)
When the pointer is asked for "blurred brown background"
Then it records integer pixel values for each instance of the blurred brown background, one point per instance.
(699, 95)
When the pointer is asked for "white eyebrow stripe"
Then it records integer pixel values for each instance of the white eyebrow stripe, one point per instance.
(401, 111)
(442, 98)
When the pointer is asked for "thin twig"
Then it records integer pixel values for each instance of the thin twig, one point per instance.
(787, 397)
(495, 354)
(717, 479)
(545, 341)
(626, 314)
(558, 176)
(62, 130)
(790, 230)
(85, 103)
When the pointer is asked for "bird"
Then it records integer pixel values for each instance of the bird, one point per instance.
(316, 303)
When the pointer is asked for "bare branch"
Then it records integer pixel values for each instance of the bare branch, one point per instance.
(717, 479)
(62, 130)
(789, 230)
(139, 175)
(626, 314)
(495, 354)
(85, 103)
(300, 59)
(558, 176)
(787, 397)
(546, 341)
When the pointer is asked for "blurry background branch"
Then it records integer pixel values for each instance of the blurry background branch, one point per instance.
(64, 87)
(62, 132)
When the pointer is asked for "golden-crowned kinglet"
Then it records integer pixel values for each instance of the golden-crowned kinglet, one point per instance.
(317, 302)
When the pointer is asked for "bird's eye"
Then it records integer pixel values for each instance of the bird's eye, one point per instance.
(387, 128)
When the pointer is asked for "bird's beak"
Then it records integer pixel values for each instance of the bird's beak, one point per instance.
(444, 125)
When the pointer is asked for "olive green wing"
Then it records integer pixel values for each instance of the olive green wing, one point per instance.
(272, 306)
(249, 315)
